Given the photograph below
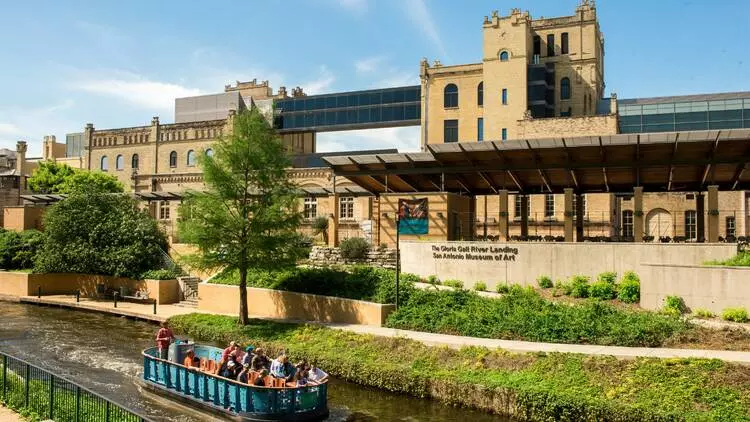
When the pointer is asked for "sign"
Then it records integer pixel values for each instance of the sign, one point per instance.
(475, 253)
(412, 215)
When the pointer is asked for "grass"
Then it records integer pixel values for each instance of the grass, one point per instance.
(531, 386)
(742, 259)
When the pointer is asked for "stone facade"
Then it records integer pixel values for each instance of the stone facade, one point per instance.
(567, 127)
(323, 256)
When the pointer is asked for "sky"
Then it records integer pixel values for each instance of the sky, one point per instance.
(117, 64)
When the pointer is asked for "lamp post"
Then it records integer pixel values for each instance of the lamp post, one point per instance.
(398, 256)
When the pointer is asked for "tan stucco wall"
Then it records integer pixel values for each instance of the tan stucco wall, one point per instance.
(699, 286)
(557, 260)
(294, 306)
(14, 284)
(23, 218)
(164, 291)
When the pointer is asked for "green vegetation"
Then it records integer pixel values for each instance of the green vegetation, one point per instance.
(630, 288)
(704, 313)
(319, 226)
(99, 233)
(560, 387)
(522, 314)
(162, 274)
(608, 277)
(579, 286)
(354, 248)
(734, 314)
(602, 290)
(456, 284)
(248, 215)
(674, 305)
(52, 177)
(480, 286)
(545, 282)
(742, 259)
(433, 279)
(18, 250)
(502, 288)
(358, 282)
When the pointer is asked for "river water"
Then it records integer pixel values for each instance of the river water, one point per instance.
(103, 353)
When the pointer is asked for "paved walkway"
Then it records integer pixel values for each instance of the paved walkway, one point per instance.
(7, 415)
(145, 312)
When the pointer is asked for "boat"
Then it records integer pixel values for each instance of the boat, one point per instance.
(200, 388)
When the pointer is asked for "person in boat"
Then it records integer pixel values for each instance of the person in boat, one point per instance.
(225, 353)
(281, 368)
(260, 360)
(163, 338)
(261, 380)
(189, 359)
(244, 374)
(300, 377)
(316, 374)
(247, 358)
(231, 369)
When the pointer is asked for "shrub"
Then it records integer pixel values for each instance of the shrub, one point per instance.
(602, 290)
(433, 279)
(18, 250)
(562, 288)
(502, 288)
(742, 259)
(161, 274)
(319, 226)
(630, 276)
(734, 314)
(630, 291)
(608, 277)
(456, 284)
(579, 286)
(545, 282)
(354, 248)
(410, 278)
(704, 313)
(674, 305)
(480, 286)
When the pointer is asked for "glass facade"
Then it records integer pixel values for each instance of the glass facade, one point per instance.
(350, 110)
(683, 116)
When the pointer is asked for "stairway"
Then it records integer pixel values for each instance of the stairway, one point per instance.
(189, 288)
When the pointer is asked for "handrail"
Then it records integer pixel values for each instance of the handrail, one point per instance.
(62, 399)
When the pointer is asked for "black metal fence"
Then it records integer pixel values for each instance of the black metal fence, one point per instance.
(48, 396)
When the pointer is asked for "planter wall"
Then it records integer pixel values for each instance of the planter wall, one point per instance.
(323, 255)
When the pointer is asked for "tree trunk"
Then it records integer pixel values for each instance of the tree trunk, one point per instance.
(243, 294)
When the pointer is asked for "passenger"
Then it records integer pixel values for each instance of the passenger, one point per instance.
(221, 368)
(261, 380)
(196, 362)
(301, 377)
(225, 353)
(189, 357)
(260, 361)
(244, 374)
(281, 368)
(232, 369)
(163, 338)
(247, 358)
(316, 374)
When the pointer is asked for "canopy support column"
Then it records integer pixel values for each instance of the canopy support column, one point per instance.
(503, 217)
(568, 214)
(638, 213)
(713, 214)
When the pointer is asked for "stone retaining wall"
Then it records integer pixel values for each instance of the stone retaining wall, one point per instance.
(322, 255)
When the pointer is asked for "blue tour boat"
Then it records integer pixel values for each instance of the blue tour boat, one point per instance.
(243, 402)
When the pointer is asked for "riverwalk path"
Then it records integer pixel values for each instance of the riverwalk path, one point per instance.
(7, 415)
(145, 312)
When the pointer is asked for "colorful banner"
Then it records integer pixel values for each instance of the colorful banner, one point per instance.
(412, 215)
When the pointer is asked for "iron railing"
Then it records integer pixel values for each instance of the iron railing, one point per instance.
(49, 396)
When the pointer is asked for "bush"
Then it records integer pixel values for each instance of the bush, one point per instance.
(562, 288)
(433, 279)
(579, 286)
(734, 314)
(480, 286)
(410, 278)
(456, 284)
(674, 305)
(630, 291)
(502, 288)
(354, 248)
(630, 276)
(545, 282)
(602, 290)
(608, 277)
(161, 274)
(18, 250)
(742, 259)
(704, 313)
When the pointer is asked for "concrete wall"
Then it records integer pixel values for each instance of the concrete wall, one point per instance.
(23, 218)
(269, 303)
(699, 286)
(164, 291)
(522, 263)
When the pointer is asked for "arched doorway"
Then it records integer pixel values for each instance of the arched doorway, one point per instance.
(659, 223)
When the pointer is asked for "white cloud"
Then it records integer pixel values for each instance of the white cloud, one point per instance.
(417, 12)
(9, 129)
(405, 139)
(322, 84)
(369, 64)
(398, 79)
(31, 124)
(155, 95)
(355, 6)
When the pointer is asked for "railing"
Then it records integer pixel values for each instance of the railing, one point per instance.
(231, 396)
(25, 386)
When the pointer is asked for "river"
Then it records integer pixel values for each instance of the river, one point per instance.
(102, 352)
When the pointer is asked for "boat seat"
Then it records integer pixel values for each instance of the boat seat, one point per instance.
(212, 367)
(204, 364)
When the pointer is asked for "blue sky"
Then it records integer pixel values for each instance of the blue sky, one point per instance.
(117, 64)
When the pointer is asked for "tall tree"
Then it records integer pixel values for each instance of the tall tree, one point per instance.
(248, 215)
(53, 177)
(49, 176)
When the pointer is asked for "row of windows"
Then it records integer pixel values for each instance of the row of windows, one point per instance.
(120, 160)
(450, 131)
(549, 205)
(669, 122)
(346, 208)
(564, 47)
(364, 115)
(691, 224)
(682, 107)
(450, 95)
(379, 97)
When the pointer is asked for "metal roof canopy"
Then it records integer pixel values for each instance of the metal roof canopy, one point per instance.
(659, 162)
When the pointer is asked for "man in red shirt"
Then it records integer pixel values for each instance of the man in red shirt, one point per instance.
(163, 338)
(225, 353)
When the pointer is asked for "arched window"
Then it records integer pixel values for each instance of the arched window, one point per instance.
(480, 94)
(134, 161)
(104, 164)
(450, 96)
(173, 159)
(209, 152)
(504, 56)
(564, 89)
(119, 162)
(191, 158)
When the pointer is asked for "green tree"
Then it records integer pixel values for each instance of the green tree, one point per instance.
(100, 233)
(52, 177)
(248, 215)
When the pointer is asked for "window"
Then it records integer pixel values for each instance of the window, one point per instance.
(537, 45)
(480, 94)
(518, 205)
(575, 205)
(480, 129)
(450, 130)
(564, 43)
(119, 162)
(504, 56)
(566, 113)
(209, 152)
(627, 223)
(504, 134)
(346, 208)
(173, 159)
(450, 96)
(691, 225)
(564, 89)
(730, 227)
(551, 45)
(504, 96)
(163, 210)
(549, 205)
(104, 164)
(134, 161)
(191, 158)
(311, 208)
